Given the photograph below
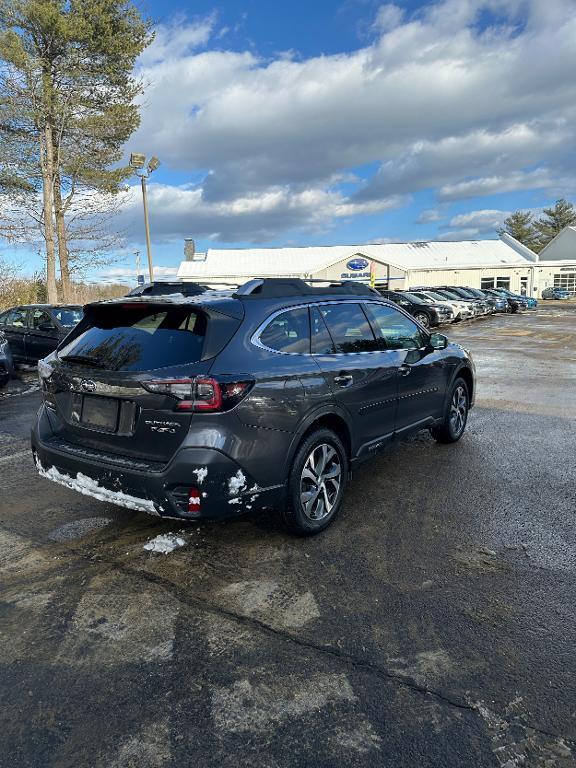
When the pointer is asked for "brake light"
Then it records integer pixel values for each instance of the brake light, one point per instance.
(201, 394)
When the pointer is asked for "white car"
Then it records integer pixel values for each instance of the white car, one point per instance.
(462, 309)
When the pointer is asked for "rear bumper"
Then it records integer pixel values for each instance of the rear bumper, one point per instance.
(224, 487)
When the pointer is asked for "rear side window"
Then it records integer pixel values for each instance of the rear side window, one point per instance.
(68, 316)
(133, 337)
(348, 327)
(288, 332)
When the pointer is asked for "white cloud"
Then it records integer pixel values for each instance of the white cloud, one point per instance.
(437, 101)
(483, 221)
(178, 212)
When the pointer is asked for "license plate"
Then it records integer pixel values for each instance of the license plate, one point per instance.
(100, 412)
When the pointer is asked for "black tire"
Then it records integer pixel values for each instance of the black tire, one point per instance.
(309, 454)
(423, 319)
(453, 426)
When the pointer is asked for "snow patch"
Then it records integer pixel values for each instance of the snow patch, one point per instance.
(200, 474)
(164, 543)
(89, 487)
(237, 483)
(234, 501)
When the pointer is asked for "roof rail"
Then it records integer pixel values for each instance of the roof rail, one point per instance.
(277, 287)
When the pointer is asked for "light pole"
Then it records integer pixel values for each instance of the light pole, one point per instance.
(143, 170)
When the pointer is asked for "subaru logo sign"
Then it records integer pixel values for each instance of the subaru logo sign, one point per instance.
(357, 265)
(88, 385)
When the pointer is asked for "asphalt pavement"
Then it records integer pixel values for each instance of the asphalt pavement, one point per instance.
(433, 624)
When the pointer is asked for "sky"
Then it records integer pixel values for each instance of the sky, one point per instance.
(349, 121)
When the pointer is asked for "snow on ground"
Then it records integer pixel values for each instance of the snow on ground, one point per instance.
(164, 543)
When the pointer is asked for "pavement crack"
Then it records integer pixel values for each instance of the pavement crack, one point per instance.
(327, 650)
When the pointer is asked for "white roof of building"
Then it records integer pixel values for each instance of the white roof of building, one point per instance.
(292, 262)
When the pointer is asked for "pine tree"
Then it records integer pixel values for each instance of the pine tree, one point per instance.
(520, 225)
(555, 220)
(67, 91)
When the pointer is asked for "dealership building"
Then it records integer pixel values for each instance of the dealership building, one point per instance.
(503, 263)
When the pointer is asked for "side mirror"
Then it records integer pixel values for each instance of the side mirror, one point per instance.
(438, 341)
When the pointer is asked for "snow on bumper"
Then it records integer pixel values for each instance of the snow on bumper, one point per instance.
(89, 487)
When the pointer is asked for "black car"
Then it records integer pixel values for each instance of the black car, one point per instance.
(35, 330)
(267, 396)
(427, 314)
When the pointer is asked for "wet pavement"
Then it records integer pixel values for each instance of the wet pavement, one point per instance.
(433, 624)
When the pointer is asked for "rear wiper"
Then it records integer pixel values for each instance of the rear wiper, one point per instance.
(91, 361)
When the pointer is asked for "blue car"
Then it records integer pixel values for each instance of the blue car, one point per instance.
(555, 293)
(529, 301)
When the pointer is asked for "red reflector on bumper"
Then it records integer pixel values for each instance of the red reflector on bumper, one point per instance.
(193, 501)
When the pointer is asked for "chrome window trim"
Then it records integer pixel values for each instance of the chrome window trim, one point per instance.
(255, 338)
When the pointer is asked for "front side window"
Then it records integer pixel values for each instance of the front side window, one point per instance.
(395, 330)
(349, 328)
(288, 332)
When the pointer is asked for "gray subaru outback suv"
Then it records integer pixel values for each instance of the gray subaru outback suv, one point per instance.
(205, 406)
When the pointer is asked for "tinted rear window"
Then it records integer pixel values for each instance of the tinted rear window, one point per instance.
(139, 338)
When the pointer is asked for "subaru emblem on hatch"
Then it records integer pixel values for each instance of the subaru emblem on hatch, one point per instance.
(87, 385)
(357, 264)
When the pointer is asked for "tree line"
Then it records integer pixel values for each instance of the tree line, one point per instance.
(67, 107)
(536, 233)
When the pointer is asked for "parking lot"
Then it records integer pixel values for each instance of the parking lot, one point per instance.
(433, 624)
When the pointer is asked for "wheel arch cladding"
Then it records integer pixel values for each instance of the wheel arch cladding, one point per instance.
(335, 423)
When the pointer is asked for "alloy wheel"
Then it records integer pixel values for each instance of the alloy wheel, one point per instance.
(320, 482)
(458, 410)
(422, 319)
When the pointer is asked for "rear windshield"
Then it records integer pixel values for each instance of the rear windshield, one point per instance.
(133, 337)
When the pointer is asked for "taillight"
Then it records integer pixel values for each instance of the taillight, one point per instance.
(201, 394)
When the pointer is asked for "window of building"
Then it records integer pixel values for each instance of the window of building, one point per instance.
(565, 280)
(487, 282)
(288, 332)
(503, 282)
(349, 328)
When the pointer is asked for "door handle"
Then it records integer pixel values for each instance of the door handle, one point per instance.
(404, 370)
(344, 379)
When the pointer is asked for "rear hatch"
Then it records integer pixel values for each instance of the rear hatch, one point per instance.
(122, 382)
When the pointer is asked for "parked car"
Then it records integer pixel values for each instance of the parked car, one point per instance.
(482, 305)
(515, 304)
(475, 305)
(526, 302)
(496, 303)
(35, 330)
(462, 309)
(555, 293)
(6, 362)
(428, 315)
(206, 406)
